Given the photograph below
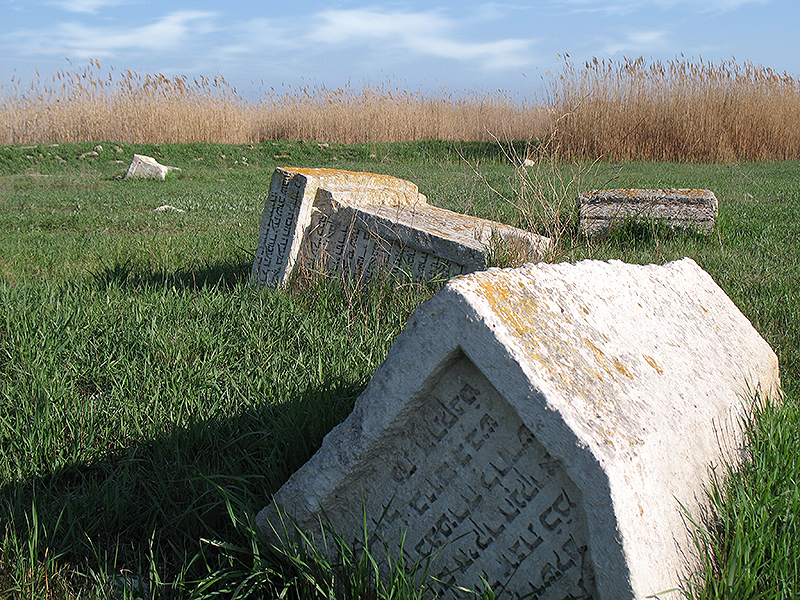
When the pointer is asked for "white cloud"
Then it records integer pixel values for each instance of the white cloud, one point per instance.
(638, 42)
(82, 41)
(85, 6)
(628, 6)
(425, 33)
(257, 35)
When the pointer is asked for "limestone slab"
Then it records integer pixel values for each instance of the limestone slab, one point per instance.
(543, 426)
(678, 208)
(147, 167)
(422, 241)
(291, 199)
(347, 223)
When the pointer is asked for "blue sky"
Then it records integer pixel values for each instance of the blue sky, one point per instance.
(414, 45)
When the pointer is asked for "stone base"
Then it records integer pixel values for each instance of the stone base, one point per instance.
(600, 211)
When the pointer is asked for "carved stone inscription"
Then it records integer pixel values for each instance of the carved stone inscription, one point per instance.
(466, 481)
(343, 243)
(277, 230)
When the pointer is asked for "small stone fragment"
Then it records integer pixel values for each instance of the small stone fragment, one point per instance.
(147, 167)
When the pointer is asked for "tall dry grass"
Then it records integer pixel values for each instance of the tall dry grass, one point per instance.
(630, 110)
(129, 107)
(676, 111)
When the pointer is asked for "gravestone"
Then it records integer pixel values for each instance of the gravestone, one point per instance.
(347, 223)
(685, 209)
(422, 241)
(147, 167)
(541, 427)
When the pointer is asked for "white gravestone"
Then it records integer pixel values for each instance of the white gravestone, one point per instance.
(287, 212)
(542, 426)
(342, 222)
(599, 211)
(147, 167)
(422, 241)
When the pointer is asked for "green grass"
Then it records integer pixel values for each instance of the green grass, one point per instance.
(151, 401)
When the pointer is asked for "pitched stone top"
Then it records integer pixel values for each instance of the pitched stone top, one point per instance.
(455, 237)
(543, 426)
(604, 337)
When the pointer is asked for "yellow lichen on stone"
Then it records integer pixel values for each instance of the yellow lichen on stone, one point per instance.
(369, 187)
(652, 362)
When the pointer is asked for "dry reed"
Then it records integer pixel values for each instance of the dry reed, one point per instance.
(676, 111)
(630, 110)
(89, 105)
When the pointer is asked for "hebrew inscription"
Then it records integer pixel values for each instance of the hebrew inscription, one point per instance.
(277, 230)
(466, 481)
(351, 242)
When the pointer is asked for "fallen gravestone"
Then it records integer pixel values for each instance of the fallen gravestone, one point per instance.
(541, 427)
(148, 168)
(354, 224)
(686, 209)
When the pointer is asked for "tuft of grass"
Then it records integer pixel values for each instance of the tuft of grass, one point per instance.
(747, 536)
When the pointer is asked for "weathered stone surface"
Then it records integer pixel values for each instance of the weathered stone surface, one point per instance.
(686, 209)
(542, 425)
(422, 241)
(291, 199)
(342, 222)
(147, 167)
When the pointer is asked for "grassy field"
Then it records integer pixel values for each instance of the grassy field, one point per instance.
(151, 401)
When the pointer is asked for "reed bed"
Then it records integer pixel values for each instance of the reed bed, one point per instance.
(129, 107)
(676, 111)
(681, 110)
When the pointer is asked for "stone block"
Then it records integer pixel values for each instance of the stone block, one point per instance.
(423, 242)
(346, 223)
(686, 209)
(146, 167)
(542, 426)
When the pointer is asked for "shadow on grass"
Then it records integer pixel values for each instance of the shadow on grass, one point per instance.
(156, 511)
(127, 273)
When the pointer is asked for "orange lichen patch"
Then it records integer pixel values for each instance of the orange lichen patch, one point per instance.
(533, 322)
(651, 361)
(622, 369)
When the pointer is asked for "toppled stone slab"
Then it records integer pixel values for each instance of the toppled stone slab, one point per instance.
(542, 426)
(421, 241)
(685, 209)
(342, 222)
(146, 167)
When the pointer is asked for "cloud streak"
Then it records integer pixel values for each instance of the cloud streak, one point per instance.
(629, 6)
(638, 42)
(83, 41)
(422, 33)
(85, 6)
